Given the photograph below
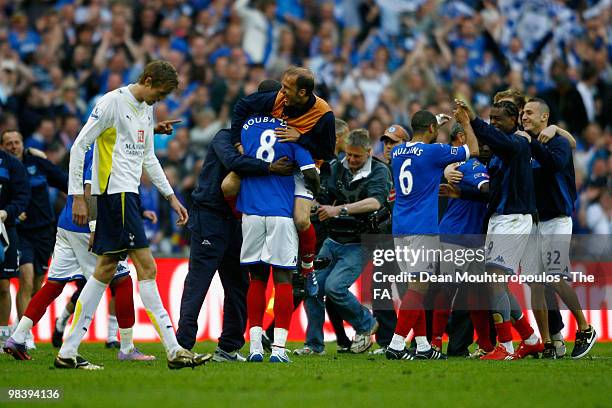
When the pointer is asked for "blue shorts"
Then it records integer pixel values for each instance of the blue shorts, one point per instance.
(10, 267)
(36, 247)
(119, 226)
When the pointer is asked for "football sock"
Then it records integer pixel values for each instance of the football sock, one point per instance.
(504, 335)
(158, 315)
(410, 309)
(62, 320)
(255, 333)
(124, 303)
(283, 305)
(113, 328)
(422, 343)
(524, 329)
(397, 342)
(22, 330)
(41, 300)
(307, 248)
(83, 314)
(256, 302)
(480, 321)
(557, 337)
(127, 342)
(280, 339)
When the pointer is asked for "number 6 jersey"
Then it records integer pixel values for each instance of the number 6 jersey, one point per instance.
(417, 171)
(269, 195)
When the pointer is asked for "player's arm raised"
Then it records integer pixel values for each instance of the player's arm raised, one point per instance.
(463, 115)
(100, 119)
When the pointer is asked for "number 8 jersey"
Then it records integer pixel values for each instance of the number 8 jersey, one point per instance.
(270, 196)
(417, 171)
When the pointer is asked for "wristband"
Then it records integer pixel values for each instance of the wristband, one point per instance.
(92, 226)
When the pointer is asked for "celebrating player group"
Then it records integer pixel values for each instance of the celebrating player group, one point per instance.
(287, 191)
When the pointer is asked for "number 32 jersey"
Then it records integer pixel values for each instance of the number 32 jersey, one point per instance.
(269, 196)
(417, 171)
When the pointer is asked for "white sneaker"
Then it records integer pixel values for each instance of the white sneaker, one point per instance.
(307, 351)
(363, 341)
(30, 345)
(279, 357)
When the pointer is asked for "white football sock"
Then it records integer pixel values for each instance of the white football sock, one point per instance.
(508, 346)
(113, 327)
(60, 323)
(127, 342)
(557, 337)
(533, 339)
(255, 333)
(397, 342)
(280, 339)
(158, 315)
(83, 314)
(23, 328)
(422, 343)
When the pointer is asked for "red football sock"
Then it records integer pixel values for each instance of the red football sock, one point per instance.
(420, 326)
(523, 328)
(42, 299)
(308, 244)
(124, 303)
(231, 201)
(410, 310)
(480, 321)
(256, 302)
(504, 331)
(441, 314)
(283, 305)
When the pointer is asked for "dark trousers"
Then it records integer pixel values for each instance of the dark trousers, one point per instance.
(215, 245)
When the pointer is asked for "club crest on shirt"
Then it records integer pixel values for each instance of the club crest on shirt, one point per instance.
(95, 114)
(32, 170)
(454, 150)
(141, 136)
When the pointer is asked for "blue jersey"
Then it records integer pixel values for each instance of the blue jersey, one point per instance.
(270, 196)
(417, 171)
(65, 218)
(466, 216)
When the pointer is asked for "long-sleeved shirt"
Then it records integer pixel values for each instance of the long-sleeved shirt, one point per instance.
(511, 186)
(14, 187)
(554, 178)
(315, 121)
(221, 159)
(122, 128)
(42, 174)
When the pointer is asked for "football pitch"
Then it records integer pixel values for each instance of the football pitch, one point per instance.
(314, 381)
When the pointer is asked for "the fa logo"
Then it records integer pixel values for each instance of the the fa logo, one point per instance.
(140, 136)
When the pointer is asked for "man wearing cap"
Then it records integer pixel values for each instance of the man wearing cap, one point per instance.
(393, 136)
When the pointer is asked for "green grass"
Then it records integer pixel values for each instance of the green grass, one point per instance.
(330, 380)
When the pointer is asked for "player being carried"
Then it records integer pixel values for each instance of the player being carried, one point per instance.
(418, 167)
(269, 235)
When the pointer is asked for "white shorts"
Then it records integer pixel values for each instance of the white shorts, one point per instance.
(473, 267)
(271, 240)
(549, 247)
(507, 239)
(72, 260)
(417, 246)
(300, 187)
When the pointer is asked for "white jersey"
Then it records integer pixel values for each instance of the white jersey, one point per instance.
(122, 129)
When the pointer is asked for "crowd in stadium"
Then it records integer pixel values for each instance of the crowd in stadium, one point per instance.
(376, 63)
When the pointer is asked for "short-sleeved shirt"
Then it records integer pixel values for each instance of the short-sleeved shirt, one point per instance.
(417, 171)
(269, 195)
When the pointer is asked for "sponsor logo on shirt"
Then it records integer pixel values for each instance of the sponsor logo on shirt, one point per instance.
(141, 136)
(454, 150)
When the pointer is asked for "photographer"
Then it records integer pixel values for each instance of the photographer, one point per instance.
(357, 187)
